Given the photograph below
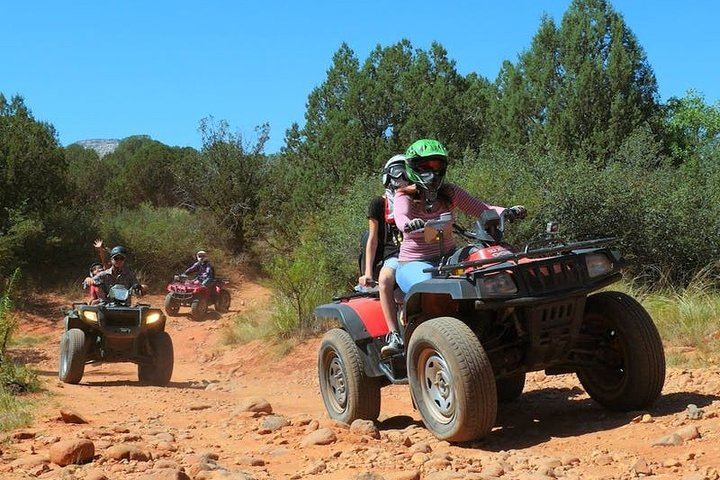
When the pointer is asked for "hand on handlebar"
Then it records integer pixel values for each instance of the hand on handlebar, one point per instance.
(518, 212)
(414, 224)
(366, 281)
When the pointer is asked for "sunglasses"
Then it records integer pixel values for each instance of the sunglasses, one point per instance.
(118, 258)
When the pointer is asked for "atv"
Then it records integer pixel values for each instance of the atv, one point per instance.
(184, 292)
(115, 330)
(490, 314)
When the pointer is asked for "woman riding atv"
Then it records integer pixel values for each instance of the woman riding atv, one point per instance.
(426, 166)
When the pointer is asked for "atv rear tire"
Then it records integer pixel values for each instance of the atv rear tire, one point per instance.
(72, 356)
(198, 308)
(160, 370)
(172, 305)
(348, 393)
(510, 388)
(222, 302)
(631, 372)
(451, 380)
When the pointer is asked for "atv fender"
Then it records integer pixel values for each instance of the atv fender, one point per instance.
(362, 318)
(454, 289)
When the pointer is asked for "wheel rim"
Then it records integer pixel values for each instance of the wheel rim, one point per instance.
(336, 384)
(437, 386)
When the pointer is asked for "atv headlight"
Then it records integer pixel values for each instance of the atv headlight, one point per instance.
(498, 284)
(598, 264)
(90, 316)
(152, 318)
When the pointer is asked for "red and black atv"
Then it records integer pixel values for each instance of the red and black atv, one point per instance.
(186, 292)
(490, 314)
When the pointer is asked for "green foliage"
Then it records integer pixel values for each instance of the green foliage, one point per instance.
(324, 261)
(140, 171)
(582, 88)
(692, 125)
(225, 180)
(32, 169)
(14, 378)
(300, 281)
(16, 411)
(8, 323)
(162, 241)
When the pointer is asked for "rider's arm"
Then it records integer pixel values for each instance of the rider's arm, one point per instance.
(192, 268)
(371, 246)
(401, 210)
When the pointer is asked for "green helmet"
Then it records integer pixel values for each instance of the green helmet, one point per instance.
(426, 164)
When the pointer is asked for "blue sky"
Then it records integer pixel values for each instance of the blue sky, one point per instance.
(114, 69)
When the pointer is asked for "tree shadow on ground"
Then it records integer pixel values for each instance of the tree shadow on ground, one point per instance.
(540, 415)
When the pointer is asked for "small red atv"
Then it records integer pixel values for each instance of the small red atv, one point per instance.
(490, 314)
(186, 292)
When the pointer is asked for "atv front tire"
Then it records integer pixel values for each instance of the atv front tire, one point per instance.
(160, 370)
(172, 305)
(72, 356)
(222, 302)
(451, 380)
(631, 362)
(198, 308)
(348, 393)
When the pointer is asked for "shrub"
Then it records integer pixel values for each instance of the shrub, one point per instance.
(162, 241)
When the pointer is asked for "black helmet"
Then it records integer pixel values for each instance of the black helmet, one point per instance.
(95, 264)
(118, 251)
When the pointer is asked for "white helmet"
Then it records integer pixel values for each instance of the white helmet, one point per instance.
(201, 254)
(393, 175)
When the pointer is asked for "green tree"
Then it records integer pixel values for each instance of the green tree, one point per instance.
(32, 174)
(140, 171)
(225, 179)
(582, 88)
(692, 125)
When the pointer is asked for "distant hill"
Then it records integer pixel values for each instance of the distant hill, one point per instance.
(102, 146)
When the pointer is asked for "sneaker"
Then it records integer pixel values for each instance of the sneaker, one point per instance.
(394, 345)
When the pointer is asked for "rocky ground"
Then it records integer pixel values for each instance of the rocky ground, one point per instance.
(243, 413)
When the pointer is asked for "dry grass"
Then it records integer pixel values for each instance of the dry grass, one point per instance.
(688, 319)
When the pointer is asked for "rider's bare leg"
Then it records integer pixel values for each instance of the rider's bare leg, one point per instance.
(386, 285)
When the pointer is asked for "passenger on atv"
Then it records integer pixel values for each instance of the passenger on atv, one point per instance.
(378, 259)
(426, 166)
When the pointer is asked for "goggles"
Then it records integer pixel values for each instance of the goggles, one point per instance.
(435, 165)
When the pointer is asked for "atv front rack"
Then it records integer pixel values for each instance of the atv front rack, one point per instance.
(527, 253)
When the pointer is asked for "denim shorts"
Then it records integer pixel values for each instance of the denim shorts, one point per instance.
(391, 262)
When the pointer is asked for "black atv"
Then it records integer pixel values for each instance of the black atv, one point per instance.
(490, 314)
(116, 331)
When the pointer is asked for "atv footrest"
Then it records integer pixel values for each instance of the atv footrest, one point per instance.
(394, 369)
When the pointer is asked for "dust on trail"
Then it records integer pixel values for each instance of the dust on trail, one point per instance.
(202, 425)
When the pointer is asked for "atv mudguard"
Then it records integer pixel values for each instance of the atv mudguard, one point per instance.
(361, 317)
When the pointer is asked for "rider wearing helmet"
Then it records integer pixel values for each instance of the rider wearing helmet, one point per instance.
(427, 163)
(382, 245)
(118, 273)
(205, 271)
